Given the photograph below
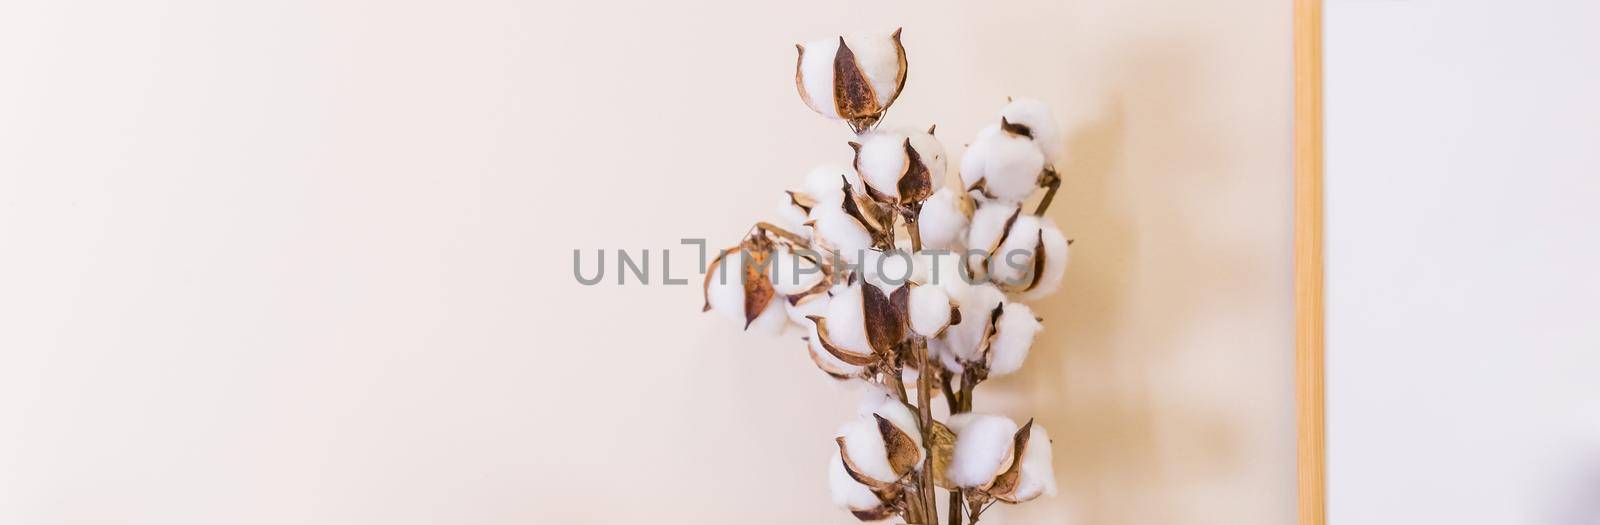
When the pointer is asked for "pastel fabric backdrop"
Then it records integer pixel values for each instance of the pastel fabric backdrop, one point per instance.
(311, 261)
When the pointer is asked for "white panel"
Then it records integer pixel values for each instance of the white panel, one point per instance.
(1463, 200)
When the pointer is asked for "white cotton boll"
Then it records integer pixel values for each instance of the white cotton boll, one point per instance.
(930, 310)
(877, 56)
(982, 451)
(941, 221)
(846, 322)
(1009, 165)
(840, 232)
(1056, 255)
(824, 183)
(1041, 123)
(1036, 475)
(987, 229)
(1012, 263)
(867, 452)
(846, 491)
(1014, 334)
(792, 273)
(725, 289)
(881, 160)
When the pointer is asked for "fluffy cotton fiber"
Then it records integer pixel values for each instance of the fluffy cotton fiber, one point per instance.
(825, 183)
(930, 310)
(1009, 165)
(881, 160)
(840, 232)
(846, 321)
(1014, 334)
(983, 448)
(941, 221)
(1041, 123)
(792, 274)
(846, 491)
(864, 440)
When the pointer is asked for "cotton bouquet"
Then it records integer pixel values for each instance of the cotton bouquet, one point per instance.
(908, 278)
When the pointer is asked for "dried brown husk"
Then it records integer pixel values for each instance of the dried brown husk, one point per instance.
(879, 513)
(1038, 263)
(886, 318)
(824, 366)
(1015, 129)
(855, 472)
(1005, 484)
(916, 184)
(801, 200)
(877, 220)
(904, 453)
(838, 351)
(758, 289)
(853, 96)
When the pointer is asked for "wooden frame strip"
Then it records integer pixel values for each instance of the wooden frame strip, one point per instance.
(1308, 261)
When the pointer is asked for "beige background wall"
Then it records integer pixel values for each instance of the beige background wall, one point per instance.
(310, 262)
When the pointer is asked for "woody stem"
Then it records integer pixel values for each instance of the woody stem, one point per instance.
(1052, 181)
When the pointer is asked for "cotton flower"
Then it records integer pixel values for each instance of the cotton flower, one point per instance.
(1048, 274)
(881, 445)
(943, 220)
(899, 167)
(796, 273)
(931, 310)
(1002, 165)
(729, 291)
(1014, 334)
(1036, 473)
(983, 449)
(1011, 264)
(852, 78)
(1033, 118)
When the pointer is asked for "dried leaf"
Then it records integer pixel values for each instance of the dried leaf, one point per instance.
(1005, 484)
(942, 446)
(916, 184)
(904, 454)
(855, 473)
(837, 351)
(886, 323)
(853, 95)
